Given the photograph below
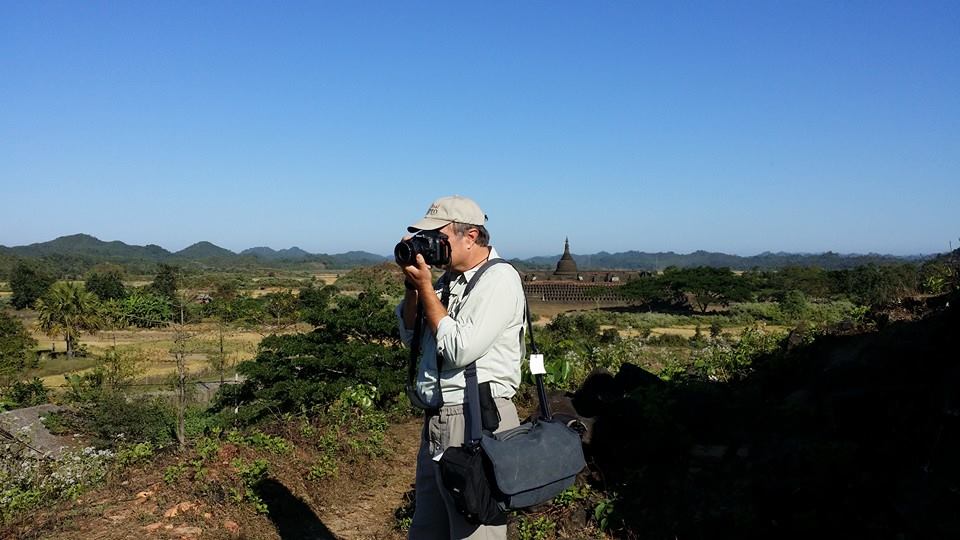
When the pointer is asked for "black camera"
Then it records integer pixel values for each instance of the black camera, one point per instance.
(433, 245)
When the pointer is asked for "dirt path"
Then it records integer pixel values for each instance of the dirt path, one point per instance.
(367, 509)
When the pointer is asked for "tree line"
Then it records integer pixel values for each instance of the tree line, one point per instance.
(869, 285)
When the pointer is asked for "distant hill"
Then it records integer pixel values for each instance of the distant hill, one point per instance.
(84, 245)
(77, 253)
(637, 260)
(270, 254)
(204, 250)
(358, 258)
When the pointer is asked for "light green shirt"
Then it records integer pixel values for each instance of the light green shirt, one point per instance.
(486, 327)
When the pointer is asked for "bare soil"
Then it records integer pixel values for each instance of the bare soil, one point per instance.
(358, 503)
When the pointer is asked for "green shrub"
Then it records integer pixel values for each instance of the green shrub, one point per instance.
(28, 393)
(721, 361)
(251, 475)
(535, 528)
(26, 482)
(325, 466)
(112, 419)
(172, 474)
(668, 340)
(132, 454)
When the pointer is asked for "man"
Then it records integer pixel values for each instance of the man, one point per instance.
(485, 327)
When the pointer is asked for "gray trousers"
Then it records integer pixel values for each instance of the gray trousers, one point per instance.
(435, 516)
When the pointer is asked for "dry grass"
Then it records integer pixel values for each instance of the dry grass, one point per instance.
(153, 346)
(689, 330)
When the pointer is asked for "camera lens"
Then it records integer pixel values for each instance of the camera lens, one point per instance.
(404, 253)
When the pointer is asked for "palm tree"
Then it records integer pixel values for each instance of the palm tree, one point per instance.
(68, 309)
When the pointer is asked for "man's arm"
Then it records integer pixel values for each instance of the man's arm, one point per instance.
(409, 307)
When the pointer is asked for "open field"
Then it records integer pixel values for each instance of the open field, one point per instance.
(153, 346)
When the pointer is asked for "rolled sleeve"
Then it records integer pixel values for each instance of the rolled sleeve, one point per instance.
(406, 335)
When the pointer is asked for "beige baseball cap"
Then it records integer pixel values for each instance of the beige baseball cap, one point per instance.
(445, 210)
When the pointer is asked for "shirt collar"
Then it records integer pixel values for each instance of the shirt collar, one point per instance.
(468, 275)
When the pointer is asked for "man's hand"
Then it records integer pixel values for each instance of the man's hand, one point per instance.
(419, 275)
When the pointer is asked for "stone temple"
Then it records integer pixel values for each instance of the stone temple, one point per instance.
(568, 284)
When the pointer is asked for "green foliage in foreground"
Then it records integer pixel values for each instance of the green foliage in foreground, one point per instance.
(355, 342)
(110, 419)
(27, 482)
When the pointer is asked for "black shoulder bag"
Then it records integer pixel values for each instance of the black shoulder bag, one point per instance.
(517, 468)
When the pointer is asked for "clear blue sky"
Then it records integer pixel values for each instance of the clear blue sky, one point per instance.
(729, 126)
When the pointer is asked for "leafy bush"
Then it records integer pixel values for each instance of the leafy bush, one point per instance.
(15, 349)
(27, 393)
(355, 343)
(28, 284)
(132, 454)
(106, 285)
(721, 361)
(251, 475)
(111, 418)
(27, 481)
(142, 309)
(535, 528)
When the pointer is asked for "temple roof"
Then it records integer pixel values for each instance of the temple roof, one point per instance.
(566, 264)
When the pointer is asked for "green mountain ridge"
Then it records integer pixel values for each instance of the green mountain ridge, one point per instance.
(77, 253)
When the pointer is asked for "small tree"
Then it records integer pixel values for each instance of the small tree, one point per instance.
(166, 281)
(106, 285)
(68, 309)
(277, 313)
(119, 368)
(15, 350)
(793, 304)
(227, 307)
(707, 285)
(28, 284)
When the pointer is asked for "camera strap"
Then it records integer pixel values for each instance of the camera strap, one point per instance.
(418, 330)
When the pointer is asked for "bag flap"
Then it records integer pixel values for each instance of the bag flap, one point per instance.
(533, 455)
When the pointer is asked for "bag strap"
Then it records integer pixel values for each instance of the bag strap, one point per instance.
(474, 429)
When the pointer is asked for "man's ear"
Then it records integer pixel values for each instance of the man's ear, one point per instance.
(474, 234)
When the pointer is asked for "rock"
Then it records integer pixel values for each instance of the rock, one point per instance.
(28, 421)
(178, 509)
(232, 527)
(153, 526)
(118, 517)
(187, 532)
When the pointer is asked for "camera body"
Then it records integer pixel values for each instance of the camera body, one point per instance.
(433, 245)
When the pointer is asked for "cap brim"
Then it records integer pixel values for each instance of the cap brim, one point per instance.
(427, 224)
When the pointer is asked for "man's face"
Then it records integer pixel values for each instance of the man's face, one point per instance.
(459, 254)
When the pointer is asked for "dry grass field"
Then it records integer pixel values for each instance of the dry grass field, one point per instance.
(153, 347)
